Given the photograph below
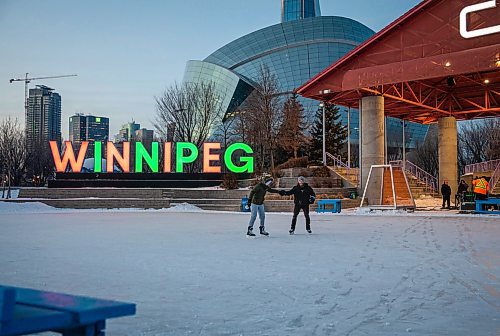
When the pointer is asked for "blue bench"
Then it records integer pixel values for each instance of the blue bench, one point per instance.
(27, 311)
(481, 206)
(335, 203)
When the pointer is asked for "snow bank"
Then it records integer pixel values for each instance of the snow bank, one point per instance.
(183, 207)
(31, 207)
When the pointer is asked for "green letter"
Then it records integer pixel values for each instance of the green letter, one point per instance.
(248, 160)
(180, 159)
(141, 153)
(97, 157)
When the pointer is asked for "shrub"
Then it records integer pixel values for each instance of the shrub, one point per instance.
(321, 172)
(301, 162)
(230, 181)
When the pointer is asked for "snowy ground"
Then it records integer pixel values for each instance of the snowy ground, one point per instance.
(196, 273)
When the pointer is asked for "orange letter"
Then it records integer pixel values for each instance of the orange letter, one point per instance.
(123, 161)
(69, 155)
(167, 158)
(207, 157)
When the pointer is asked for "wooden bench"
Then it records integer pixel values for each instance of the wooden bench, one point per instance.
(482, 204)
(336, 205)
(26, 311)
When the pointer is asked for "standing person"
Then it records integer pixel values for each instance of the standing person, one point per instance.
(256, 202)
(446, 192)
(481, 188)
(303, 195)
(462, 187)
(462, 190)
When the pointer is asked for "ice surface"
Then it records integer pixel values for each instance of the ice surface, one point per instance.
(195, 273)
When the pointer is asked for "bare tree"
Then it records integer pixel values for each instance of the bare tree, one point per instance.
(264, 115)
(226, 130)
(426, 155)
(39, 163)
(12, 152)
(193, 108)
(479, 141)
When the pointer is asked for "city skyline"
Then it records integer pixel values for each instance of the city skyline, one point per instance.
(130, 54)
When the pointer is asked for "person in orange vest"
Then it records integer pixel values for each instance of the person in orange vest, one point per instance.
(481, 188)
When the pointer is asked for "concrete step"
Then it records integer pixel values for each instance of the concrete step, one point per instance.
(315, 182)
(57, 193)
(270, 205)
(101, 203)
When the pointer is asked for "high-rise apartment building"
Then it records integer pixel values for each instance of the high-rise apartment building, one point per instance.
(88, 128)
(145, 136)
(127, 132)
(43, 117)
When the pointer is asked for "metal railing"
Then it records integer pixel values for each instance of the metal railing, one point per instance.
(482, 167)
(495, 177)
(349, 173)
(430, 182)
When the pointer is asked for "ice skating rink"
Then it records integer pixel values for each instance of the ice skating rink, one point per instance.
(197, 274)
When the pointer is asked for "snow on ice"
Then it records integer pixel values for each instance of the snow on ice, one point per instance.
(194, 272)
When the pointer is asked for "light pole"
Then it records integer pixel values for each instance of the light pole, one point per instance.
(404, 145)
(323, 104)
(349, 137)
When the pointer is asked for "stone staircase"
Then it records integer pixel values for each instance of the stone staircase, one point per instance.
(96, 198)
(230, 200)
(150, 198)
(421, 183)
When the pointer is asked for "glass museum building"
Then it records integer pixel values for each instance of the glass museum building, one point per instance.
(295, 50)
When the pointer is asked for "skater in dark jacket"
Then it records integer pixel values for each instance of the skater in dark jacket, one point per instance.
(256, 203)
(303, 195)
(446, 192)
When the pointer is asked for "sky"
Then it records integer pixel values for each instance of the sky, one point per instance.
(126, 53)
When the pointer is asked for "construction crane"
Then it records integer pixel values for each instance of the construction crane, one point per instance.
(28, 80)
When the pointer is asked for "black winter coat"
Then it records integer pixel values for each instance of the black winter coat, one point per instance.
(445, 190)
(301, 195)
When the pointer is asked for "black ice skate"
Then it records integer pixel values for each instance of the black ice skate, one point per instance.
(309, 231)
(250, 233)
(291, 231)
(263, 231)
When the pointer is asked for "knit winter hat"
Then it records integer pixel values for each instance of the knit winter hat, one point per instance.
(301, 179)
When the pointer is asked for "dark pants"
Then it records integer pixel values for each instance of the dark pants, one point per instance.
(481, 197)
(446, 199)
(296, 212)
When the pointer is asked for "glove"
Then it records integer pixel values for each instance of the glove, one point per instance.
(312, 199)
(282, 193)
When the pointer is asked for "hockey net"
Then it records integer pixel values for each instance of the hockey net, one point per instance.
(387, 188)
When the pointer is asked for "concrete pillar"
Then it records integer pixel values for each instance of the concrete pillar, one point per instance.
(372, 136)
(448, 153)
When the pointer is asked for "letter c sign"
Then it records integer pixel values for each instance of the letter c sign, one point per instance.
(478, 32)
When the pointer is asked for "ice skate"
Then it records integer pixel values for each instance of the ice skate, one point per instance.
(263, 231)
(250, 233)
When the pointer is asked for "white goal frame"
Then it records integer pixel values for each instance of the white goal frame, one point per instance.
(387, 207)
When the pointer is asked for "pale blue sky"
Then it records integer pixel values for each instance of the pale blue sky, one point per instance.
(127, 52)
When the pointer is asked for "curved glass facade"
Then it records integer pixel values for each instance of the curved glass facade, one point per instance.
(231, 87)
(299, 9)
(294, 51)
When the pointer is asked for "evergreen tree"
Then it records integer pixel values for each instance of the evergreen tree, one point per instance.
(336, 133)
(292, 131)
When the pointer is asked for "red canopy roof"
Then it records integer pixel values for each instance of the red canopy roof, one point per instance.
(423, 65)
